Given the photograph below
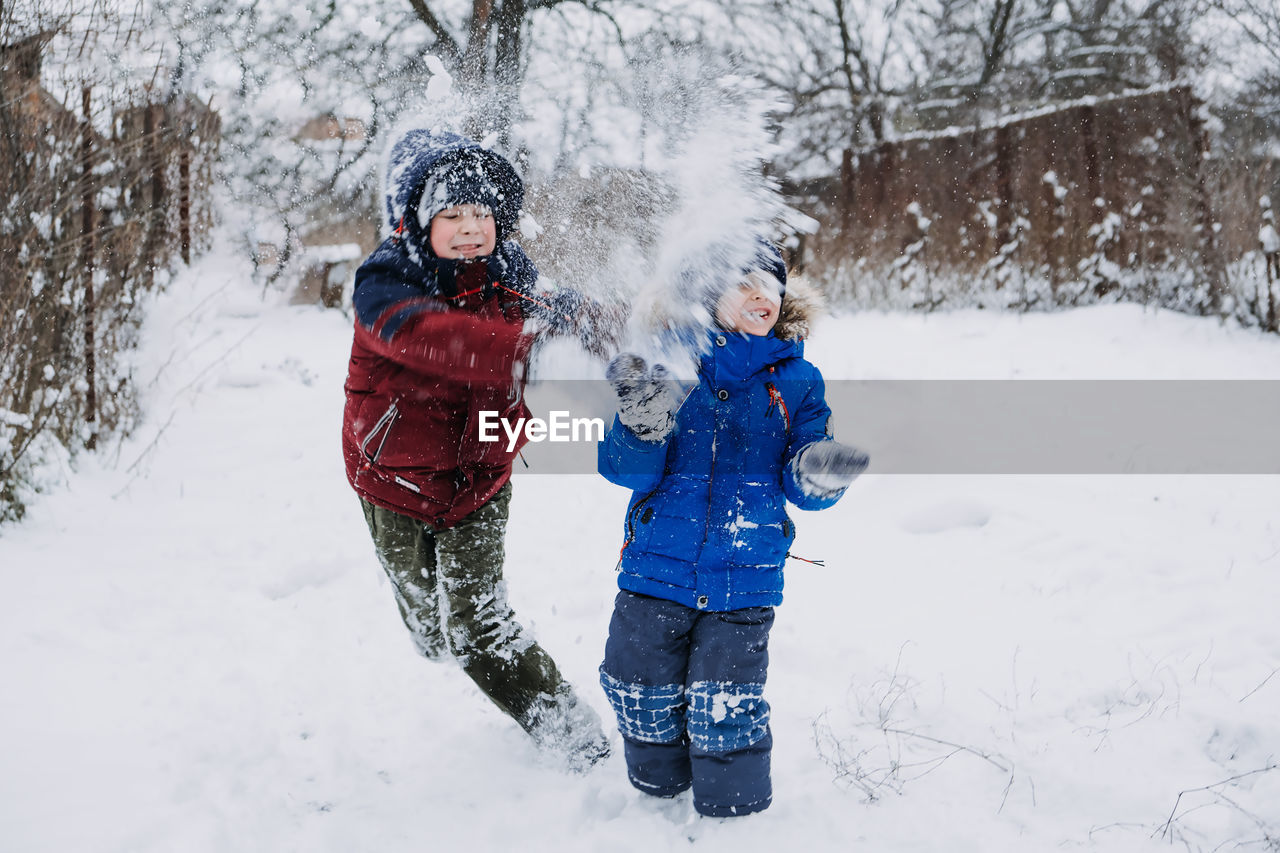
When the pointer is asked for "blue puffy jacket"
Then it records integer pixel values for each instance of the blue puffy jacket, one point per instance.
(707, 526)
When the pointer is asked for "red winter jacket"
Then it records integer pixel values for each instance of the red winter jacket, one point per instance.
(437, 342)
(423, 367)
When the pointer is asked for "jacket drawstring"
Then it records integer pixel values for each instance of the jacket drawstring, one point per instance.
(467, 293)
(528, 298)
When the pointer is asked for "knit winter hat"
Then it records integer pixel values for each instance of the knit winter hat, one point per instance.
(706, 274)
(769, 259)
(473, 176)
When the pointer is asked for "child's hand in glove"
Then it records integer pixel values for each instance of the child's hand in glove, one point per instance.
(828, 467)
(646, 405)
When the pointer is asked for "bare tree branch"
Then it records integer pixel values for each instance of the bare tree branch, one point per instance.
(444, 39)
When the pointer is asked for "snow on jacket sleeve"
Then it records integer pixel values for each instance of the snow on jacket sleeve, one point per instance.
(559, 311)
(627, 460)
(810, 423)
(396, 321)
(565, 312)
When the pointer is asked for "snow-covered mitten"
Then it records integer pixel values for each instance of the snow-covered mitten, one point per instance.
(646, 405)
(828, 467)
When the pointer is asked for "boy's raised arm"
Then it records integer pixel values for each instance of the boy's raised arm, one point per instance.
(394, 320)
(597, 325)
(634, 453)
(629, 461)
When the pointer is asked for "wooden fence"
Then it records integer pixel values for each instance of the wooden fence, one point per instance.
(1126, 181)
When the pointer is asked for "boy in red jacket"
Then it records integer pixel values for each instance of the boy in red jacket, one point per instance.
(445, 313)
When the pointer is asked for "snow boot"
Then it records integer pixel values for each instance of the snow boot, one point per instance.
(565, 727)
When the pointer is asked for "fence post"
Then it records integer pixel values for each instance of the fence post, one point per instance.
(157, 164)
(88, 250)
(1006, 224)
(1055, 244)
(155, 215)
(1209, 251)
(846, 191)
(1269, 241)
(1092, 170)
(184, 203)
(883, 167)
(1272, 261)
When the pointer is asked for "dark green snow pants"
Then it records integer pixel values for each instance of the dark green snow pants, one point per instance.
(448, 584)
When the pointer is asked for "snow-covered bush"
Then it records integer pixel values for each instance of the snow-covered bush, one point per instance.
(106, 191)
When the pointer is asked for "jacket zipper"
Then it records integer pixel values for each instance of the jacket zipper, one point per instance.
(775, 400)
(711, 483)
(631, 524)
(382, 425)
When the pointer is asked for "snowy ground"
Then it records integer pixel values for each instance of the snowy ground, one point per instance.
(200, 653)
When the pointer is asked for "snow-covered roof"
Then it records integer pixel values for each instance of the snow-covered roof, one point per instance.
(1048, 109)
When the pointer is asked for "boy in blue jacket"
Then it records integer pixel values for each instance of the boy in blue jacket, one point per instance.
(706, 535)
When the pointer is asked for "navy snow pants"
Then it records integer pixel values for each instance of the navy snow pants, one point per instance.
(688, 690)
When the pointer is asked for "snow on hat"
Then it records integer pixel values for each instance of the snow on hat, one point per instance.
(769, 259)
(704, 275)
(468, 176)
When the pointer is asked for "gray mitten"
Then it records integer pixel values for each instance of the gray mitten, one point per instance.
(828, 467)
(646, 405)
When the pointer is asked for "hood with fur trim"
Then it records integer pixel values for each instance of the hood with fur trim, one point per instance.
(801, 307)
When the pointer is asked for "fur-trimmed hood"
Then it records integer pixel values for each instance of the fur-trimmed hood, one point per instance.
(801, 307)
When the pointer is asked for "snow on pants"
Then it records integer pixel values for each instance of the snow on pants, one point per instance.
(687, 687)
(448, 584)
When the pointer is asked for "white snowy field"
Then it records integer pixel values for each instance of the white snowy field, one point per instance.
(200, 652)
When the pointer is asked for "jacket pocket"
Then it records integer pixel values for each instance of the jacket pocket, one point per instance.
(670, 521)
(762, 533)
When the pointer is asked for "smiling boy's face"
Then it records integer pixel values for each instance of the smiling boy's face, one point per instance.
(751, 306)
(464, 231)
